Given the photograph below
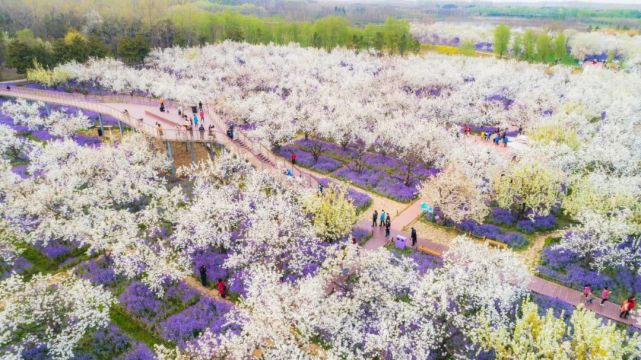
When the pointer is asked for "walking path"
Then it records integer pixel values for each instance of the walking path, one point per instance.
(538, 285)
(143, 116)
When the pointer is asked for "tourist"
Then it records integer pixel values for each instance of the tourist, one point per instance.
(200, 106)
(221, 287)
(293, 157)
(414, 237)
(382, 218)
(8, 88)
(210, 129)
(99, 132)
(496, 139)
(605, 295)
(587, 293)
(162, 105)
(159, 127)
(203, 275)
(180, 110)
(289, 172)
(627, 306)
(202, 116)
(388, 225)
(374, 218)
(196, 120)
(505, 141)
(201, 129)
(482, 135)
(320, 188)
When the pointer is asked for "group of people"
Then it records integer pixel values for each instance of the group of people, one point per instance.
(496, 136)
(627, 306)
(385, 220)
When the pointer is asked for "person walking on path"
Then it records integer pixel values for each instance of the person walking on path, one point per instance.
(200, 106)
(293, 157)
(374, 218)
(505, 140)
(203, 275)
(382, 218)
(627, 306)
(587, 293)
(414, 237)
(202, 116)
(388, 225)
(605, 295)
(221, 288)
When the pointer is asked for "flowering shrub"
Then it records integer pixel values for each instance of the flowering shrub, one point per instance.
(426, 262)
(504, 216)
(324, 164)
(538, 223)
(140, 352)
(107, 343)
(360, 200)
(19, 266)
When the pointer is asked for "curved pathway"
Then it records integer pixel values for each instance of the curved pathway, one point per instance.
(143, 116)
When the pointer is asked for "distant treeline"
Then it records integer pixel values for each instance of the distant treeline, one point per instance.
(556, 12)
(46, 35)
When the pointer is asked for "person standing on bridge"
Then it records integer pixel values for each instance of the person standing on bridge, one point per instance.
(374, 218)
(200, 106)
(414, 237)
(195, 120)
(202, 116)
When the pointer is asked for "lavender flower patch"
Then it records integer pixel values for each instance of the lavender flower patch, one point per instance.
(538, 223)
(43, 135)
(19, 266)
(327, 147)
(512, 239)
(237, 284)
(21, 170)
(143, 304)
(8, 121)
(396, 189)
(361, 234)
(191, 322)
(56, 251)
(213, 262)
(504, 217)
(140, 352)
(84, 140)
(324, 164)
(558, 259)
(106, 343)
(381, 161)
(98, 271)
(426, 262)
(367, 178)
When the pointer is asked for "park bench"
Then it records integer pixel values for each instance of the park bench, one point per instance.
(496, 244)
(426, 250)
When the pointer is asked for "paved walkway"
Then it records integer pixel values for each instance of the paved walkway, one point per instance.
(401, 226)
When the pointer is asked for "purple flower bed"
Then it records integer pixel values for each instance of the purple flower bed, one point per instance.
(98, 271)
(140, 352)
(381, 161)
(328, 147)
(324, 164)
(504, 217)
(213, 262)
(512, 239)
(426, 262)
(143, 304)
(19, 266)
(43, 135)
(368, 178)
(84, 140)
(396, 188)
(538, 223)
(20, 170)
(6, 120)
(55, 251)
(191, 322)
(237, 284)
(558, 307)
(360, 199)
(106, 343)
(361, 234)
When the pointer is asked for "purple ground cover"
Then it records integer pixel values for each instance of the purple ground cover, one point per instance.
(106, 343)
(367, 178)
(324, 164)
(361, 234)
(43, 135)
(510, 218)
(558, 307)
(396, 188)
(512, 239)
(237, 284)
(99, 271)
(140, 352)
(425, 262)
(144, 305)
(21, 170)
(8, 121)
(55, 250)
(84, 140)
(19, 266)
(213, 262)
(191, 322)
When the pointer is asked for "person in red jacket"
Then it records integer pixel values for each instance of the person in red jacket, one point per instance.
(221, 287)
(293, 158)
(605, 295)
(627, 306)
